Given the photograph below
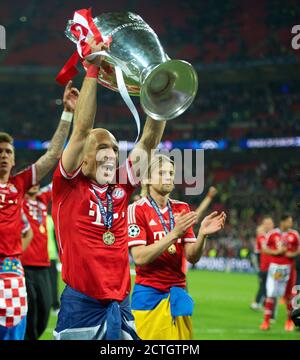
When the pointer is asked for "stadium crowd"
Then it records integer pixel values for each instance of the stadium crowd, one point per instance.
(206, 32)
(230, 112)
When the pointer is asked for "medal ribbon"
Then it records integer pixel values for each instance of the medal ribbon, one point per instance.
(106, 216)
(39, 214)
(161, 218)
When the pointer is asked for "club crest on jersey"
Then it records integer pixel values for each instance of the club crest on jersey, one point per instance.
(12, 188)
(278, 276)
(133, 231)
(118, 193)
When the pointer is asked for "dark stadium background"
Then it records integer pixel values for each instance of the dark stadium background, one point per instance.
(248, 89)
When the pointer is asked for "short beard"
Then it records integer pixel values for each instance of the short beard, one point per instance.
(163, 192)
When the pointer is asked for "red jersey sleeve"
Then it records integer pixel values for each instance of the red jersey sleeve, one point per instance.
(63, 182)
(137, 233)
(26, 179)
(259, 243)
(46, 194)
(273, 240)
(294, 244)
(298, 238)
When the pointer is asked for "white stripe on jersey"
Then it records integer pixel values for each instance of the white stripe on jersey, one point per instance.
(65, 175)
(131, 213)
(128, 213)
(96, 188)
(131, 210)
(137, 242)
(33, 170)
(190, 240)
(178, 202)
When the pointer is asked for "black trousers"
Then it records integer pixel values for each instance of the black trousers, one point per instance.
(54, 284)
(297, 260)
(261, 293)
(39, 300)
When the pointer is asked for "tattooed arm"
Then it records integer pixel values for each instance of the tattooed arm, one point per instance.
(47, 162)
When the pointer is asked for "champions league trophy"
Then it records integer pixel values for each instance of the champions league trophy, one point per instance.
(166, 87)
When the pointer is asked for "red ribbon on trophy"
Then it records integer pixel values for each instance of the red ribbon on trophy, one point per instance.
(82, 28)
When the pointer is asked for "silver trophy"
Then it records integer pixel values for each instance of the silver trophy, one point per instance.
(166, 87)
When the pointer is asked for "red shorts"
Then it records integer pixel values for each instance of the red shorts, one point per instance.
(291, 283)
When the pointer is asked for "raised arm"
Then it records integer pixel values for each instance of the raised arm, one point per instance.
(150, 139)
(47, 162)
(212, 192)
(83, 123)
(84, 115)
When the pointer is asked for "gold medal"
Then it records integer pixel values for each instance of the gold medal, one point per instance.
(172, 249)
(108, 238)
(42, 229)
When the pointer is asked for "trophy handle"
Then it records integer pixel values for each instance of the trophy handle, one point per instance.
(111, 59)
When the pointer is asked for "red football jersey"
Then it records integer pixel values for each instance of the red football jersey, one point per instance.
(292, 242)
(36, 253)
(144, 228)
(88, 264)
(259, 242)
(275, 239)
(264, 258)
(11, 200)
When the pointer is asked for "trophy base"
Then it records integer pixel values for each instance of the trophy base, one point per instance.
(169, 89)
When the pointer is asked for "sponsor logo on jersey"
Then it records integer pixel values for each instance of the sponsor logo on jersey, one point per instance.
(12, 188)
(152, 223)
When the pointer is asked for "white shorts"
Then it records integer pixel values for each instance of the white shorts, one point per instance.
(277, 279)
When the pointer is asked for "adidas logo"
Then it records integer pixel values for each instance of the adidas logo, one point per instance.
(152, 223)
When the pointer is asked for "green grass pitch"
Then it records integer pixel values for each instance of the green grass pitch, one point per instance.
(222, 309)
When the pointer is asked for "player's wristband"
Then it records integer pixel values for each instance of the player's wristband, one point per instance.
(92, 71)
(67, 116)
